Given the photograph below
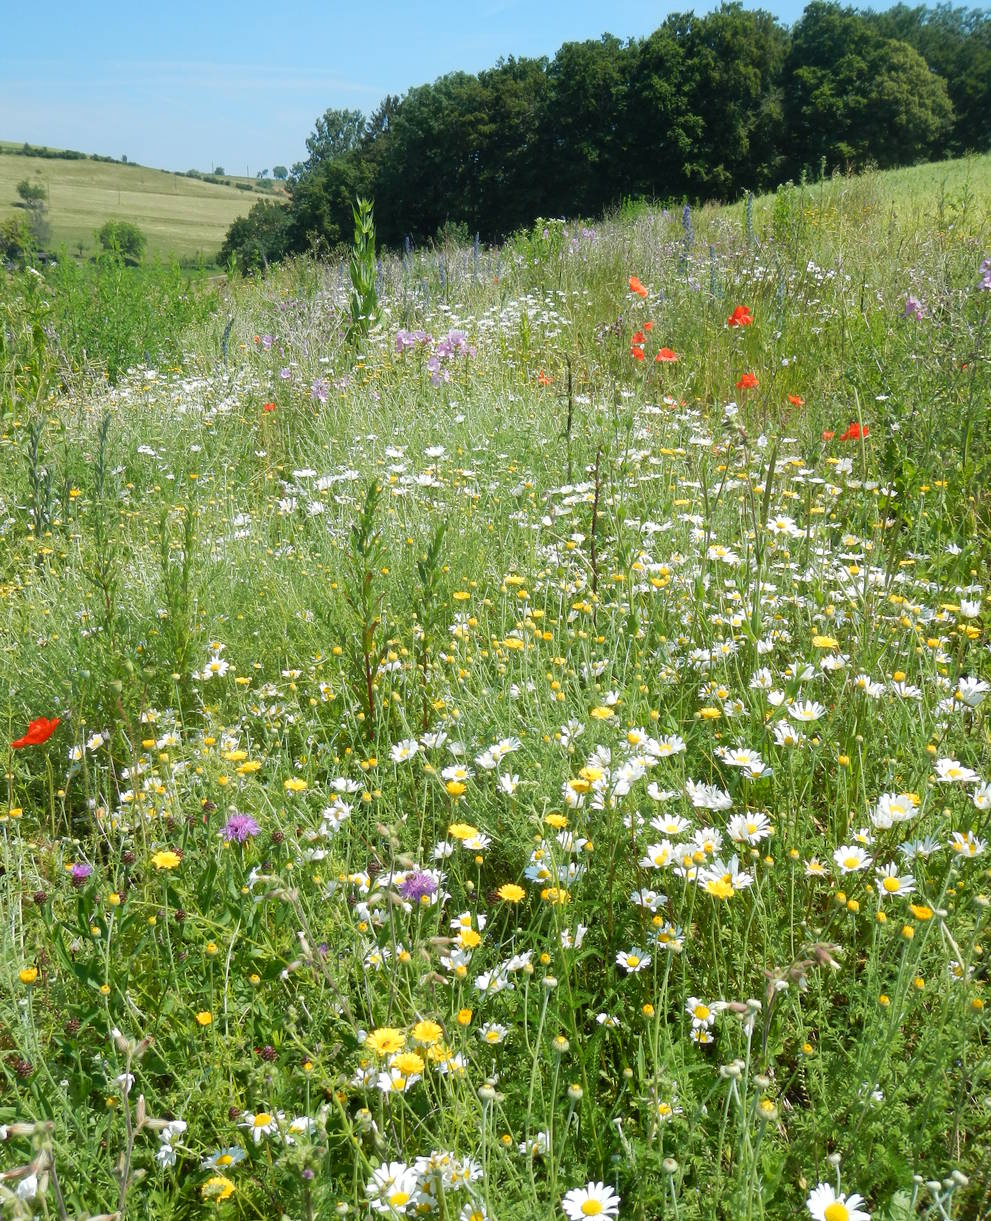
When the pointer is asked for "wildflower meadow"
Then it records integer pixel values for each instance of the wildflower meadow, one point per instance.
(501, 733)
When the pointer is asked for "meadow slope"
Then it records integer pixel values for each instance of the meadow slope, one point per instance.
(181, 217)
(529, 761)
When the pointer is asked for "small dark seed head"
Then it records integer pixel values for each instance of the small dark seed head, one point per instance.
(128, 857)
(233, 1113)
(40, 897)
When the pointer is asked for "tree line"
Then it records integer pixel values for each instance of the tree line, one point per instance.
(704, 108)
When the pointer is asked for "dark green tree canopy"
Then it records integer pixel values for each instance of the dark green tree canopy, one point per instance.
(706, 107)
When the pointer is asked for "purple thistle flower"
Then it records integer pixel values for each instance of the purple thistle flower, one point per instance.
(417, 886)
(239, 827)
(79, 873)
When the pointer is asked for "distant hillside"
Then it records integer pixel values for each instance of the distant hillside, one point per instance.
(181, 216)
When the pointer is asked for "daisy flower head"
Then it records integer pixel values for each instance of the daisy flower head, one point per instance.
(890, 882)
(949, 771)
(593, 1200)
(850, 858)
(633, 960)
(825, 1204)
(391, 1188)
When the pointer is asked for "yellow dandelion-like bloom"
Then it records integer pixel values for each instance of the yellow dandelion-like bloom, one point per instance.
(719, 888)
(427, 1033)
(295, 785)
(511, 892)
(385, 1040)
(825, 642)
(462, 830)
(455, 788)
(27, 975)
(166, 859)
(408, 1063)
(204, 1017)
(217, 1187)
(602, 713)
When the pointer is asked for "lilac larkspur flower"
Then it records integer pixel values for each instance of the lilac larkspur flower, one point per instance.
(319, 389)
(914, 308)
(239, 827)
(417, 886)
(984, 284)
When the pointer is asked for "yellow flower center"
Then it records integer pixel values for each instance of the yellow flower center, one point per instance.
(591, 1208)
(891, 885)
(399, 1198)
(836, 1212)
(851, 862)
(701, 1012)
(262, 1120)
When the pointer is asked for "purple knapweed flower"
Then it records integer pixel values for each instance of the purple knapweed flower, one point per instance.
(914, 308)
(238, 828)
(79, 873)
(319, 389)
(417, 886)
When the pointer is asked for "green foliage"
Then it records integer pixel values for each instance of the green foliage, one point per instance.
(32, 193)
(16, 242)
(706, 107)
(121, 237)
(316, 654)
(363, 303)
(118, 316)
(257, 239)
(336, 134)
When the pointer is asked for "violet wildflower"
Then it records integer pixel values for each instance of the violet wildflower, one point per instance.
(984, 283)
(914, 308)
(319, 389)
(267, 342)
(239, 827)
(79, 873)
(285, 373)
(417, 886)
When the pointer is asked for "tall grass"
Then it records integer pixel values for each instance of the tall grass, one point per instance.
(496, 773)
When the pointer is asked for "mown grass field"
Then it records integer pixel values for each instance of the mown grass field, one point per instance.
(181, 217)
(530, 762)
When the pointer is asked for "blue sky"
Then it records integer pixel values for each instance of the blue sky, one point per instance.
(185, 84)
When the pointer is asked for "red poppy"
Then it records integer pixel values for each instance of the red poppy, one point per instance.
(796, 400)
(748, 382)
(268, 407)
(740, 316)
(828, 434)
(40, 730)
(637, 287)
(648, 326)
(636, 353)
(665, 357)
(855, 432)
(543, 379)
